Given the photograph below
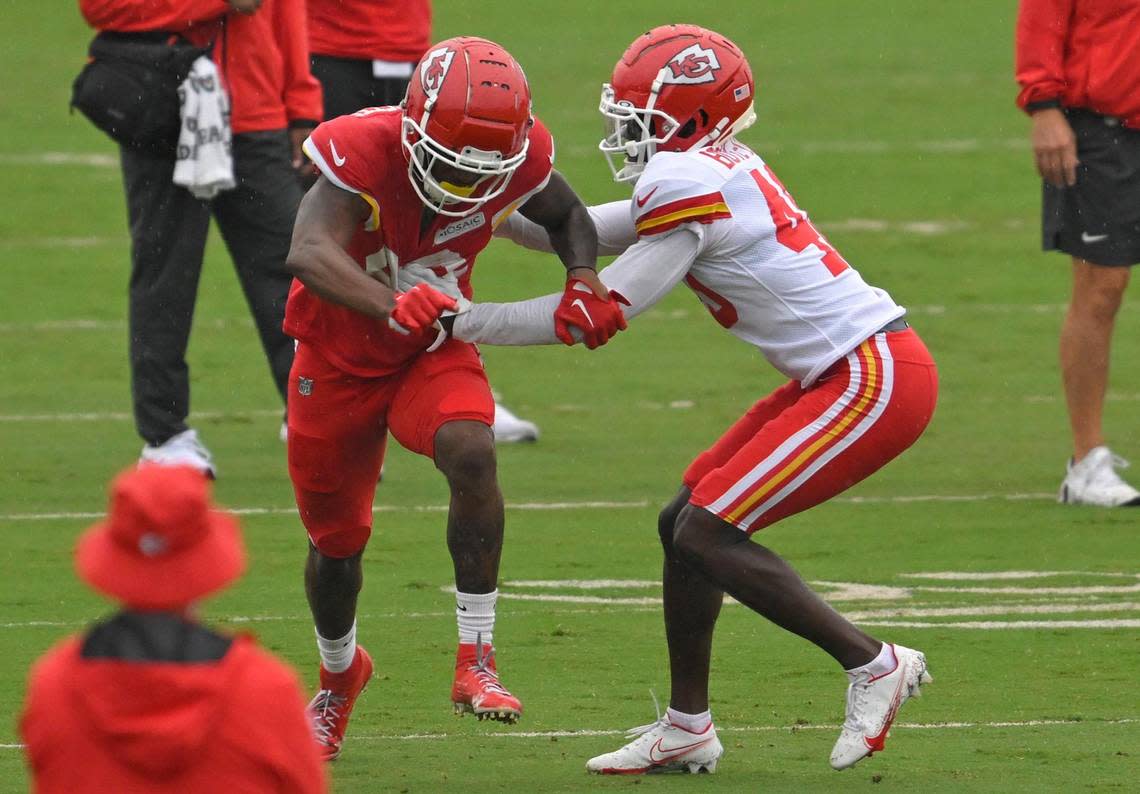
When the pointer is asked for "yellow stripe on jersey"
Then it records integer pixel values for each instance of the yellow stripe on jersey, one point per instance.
(503, 214)
(373, 222)
(852, 413)
(685, 214)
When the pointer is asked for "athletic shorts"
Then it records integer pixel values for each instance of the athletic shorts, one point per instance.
(338, 426)
(348, 84)
(799, 447)
(1098, 219)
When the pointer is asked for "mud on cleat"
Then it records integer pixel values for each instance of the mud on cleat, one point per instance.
(330, 709)
(661, 747)
(477, 689)
(872, 704)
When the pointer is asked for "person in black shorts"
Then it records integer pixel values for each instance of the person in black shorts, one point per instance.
(1084, 101)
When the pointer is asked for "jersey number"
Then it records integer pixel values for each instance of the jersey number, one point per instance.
(719, 307)
(793, 229)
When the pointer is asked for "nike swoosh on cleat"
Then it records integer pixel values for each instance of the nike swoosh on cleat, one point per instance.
(1093, 238)
(877, 742)
(672, 752)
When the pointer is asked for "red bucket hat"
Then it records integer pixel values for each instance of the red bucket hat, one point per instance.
(162, 545)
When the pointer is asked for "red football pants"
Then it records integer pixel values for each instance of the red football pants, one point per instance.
(799, 447)
(338, 426)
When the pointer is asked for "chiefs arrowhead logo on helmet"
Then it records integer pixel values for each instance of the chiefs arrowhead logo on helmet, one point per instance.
(434, 68)
(694, 64)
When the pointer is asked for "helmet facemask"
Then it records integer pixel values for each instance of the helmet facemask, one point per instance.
(632, 133)
(489, 171)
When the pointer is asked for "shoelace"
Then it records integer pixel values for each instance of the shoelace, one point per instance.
(487, 677)
(856, 700)
(662, 720)
(325, 709)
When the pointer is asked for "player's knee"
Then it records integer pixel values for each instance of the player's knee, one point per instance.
(690, 540)
(666, 526)
(465, 453)
(341, 541)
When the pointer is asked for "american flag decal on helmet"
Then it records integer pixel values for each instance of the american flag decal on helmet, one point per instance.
(741, 92)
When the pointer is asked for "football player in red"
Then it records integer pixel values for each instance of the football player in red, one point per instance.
(384, 244)
(709, 212)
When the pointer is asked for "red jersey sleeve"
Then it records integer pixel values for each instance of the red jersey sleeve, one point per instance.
(350, 152)
(663, 202)
(1042, 27)
(130, 16)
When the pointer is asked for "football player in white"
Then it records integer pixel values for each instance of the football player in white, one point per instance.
(862, 387)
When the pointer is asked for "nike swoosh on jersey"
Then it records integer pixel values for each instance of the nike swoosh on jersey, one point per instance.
(581, 305)
(659, 754)
(641, 201)
(1093, 238)
(336, 157)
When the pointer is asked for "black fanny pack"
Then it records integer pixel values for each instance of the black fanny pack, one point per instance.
(129, 87)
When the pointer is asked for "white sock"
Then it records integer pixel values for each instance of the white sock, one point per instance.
(337, 655)
(884, 663)
(693, 723)
(475, 614)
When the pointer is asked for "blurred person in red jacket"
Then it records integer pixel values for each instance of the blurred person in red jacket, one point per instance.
(151, 700)
(363, 54)
(261, 50)
(1078, 65)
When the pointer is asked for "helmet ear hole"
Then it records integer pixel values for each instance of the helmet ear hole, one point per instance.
(688, 128)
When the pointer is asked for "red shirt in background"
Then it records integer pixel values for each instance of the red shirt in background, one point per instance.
(1085, 53)
(384, 30)
(236, 725)
(263, 57)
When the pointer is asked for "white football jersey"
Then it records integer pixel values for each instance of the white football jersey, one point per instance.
(762, 269)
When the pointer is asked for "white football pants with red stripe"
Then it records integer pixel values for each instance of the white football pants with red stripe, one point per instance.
(799, 447)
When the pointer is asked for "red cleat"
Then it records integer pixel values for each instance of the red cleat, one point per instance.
(330, 709)
(477, 689)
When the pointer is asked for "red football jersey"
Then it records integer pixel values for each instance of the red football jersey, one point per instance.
(362, 153)
(389, 30)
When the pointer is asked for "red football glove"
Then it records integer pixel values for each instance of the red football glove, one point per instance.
(593, 318)
(418, 308)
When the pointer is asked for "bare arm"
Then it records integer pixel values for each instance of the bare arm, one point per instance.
(612, 221)
(558, 209)
(326, 221)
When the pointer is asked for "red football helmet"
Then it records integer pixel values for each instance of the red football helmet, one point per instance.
(468, 110)
(676, 88)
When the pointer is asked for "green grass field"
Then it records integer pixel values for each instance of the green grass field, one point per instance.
(896, 130)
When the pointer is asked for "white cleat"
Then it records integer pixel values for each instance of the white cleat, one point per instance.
(873, 702)
(509, 429)
(661, 747)
(1093, 481)
(183, 449)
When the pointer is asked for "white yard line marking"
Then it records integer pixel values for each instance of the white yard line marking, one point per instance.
(1090, 590)
(585, 584)
(972, 576)
(120, 416)
(262, 511)
(92, 159)
(1009, 625)
(61, 242)
(590, 732)
(999, 609)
